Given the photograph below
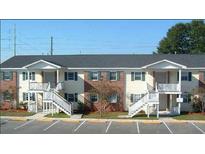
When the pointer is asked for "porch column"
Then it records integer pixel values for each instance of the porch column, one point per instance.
(57, 74)
(36, 100)
(43, 106)
(179, 107)
(28, 73)
(180, 82)
(29, 101)
(148, 111)
(157, 110)
(171, 102)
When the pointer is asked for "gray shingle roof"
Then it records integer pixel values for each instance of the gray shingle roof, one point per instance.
(105, 61)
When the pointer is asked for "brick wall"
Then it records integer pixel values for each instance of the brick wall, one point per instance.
(9, 84)
(120, 84)
(201, 80)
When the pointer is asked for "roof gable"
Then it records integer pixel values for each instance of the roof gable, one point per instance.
(42, 64)
(164, 64)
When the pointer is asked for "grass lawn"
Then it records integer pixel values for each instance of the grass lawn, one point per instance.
(58, 115)
(17, 113)
(114, 115)
(194, 116)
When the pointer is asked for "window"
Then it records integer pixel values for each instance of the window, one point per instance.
(137, 76)
(6, 95)
(113, 98)
(93, 97)
(186, 97)
(186, 76)
(113, 75)
(25, 96)
(7, 75)
(71, 97)
(94, 75)
(25, 75)
(71, 76)
(32, 76)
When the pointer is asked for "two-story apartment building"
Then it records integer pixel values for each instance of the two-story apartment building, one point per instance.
(151, 83)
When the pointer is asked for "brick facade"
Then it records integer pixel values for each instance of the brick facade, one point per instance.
(11, 86)
(201, 79)
(120, 84)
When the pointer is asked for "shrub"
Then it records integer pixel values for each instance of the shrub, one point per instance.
(197, 104)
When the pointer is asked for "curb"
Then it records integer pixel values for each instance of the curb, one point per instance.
(15, 118)
(46, 119)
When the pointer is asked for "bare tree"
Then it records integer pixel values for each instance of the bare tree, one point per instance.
(105, 90)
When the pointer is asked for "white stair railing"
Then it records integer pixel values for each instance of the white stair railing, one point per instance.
(135, 108)
(51, 95)
(148, 98)
(58, 101)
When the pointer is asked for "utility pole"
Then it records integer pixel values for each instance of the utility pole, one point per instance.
(14, 40)
(51, 45)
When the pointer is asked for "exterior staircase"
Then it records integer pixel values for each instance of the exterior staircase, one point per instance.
(52, 96)
(148, 99)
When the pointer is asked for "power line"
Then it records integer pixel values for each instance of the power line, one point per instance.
(51, 45)
(14, 40)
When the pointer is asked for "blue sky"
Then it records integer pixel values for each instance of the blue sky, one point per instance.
(84, 36)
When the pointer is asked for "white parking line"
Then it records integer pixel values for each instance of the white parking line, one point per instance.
(24, 124)
(138, 128)
(167, 127)
(79, 125)
(108, 126)
(197, 127)
(51, 125)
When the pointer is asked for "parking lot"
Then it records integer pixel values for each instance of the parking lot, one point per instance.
(108, 127)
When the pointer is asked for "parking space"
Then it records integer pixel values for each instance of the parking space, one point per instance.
(61, 128)
(7, 126)
(183, 128)
(122, 128)
(108, 127)
(34, 127)
(201, 126)
(159, 128)
(92, 128)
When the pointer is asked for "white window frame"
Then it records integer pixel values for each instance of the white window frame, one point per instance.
(114, 100)
(138, 74)
(73, 76)
(32, 75)
(93, 76)
(93, 95)
(185, 97)
(185, 76)
(32, 96)
(8, 74)
(115, 76)
(136, 97)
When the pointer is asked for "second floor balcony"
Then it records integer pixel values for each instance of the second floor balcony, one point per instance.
(168, 87)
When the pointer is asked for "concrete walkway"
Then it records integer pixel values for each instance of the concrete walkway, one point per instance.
(37, 115)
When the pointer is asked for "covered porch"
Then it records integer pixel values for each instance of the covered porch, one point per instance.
(166, 80)
(43, 77)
